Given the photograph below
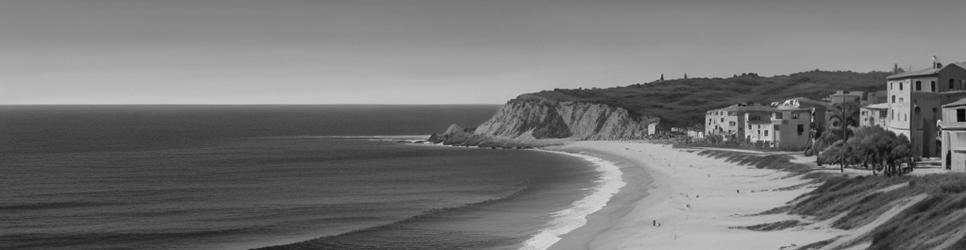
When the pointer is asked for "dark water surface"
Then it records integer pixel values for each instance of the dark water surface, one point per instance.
(236, 177)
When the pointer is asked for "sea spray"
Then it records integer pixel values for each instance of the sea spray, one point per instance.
(608, 184)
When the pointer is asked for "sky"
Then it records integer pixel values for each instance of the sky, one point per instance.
(440, 51)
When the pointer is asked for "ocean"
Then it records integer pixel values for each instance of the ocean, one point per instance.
(278, 176)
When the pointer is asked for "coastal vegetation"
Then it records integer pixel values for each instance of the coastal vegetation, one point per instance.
(683, 102)
(872, 148)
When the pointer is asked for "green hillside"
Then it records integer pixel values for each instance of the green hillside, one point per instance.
(682, 102)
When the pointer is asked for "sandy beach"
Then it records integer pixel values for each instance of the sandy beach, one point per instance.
(677, 199)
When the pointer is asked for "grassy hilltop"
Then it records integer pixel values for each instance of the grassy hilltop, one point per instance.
(682, 102)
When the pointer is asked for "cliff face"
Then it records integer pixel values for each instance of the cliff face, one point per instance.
(536, 117)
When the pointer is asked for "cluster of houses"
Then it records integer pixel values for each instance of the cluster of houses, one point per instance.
(928, 106)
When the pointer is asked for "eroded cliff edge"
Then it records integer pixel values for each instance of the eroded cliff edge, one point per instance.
(523, 120)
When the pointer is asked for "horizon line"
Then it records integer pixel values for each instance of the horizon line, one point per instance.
(252, 104)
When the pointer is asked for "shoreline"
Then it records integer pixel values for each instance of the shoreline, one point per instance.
(621, 203)
(610, 183)
(677, 199)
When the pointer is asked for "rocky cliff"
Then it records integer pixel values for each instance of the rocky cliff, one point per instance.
(531, 117)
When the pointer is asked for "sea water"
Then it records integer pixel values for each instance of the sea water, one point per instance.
(286, 177)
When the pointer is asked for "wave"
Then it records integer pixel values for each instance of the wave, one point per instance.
(52, 205)
(324, 241)
(566, 220)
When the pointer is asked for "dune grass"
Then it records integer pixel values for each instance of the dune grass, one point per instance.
(938, 222)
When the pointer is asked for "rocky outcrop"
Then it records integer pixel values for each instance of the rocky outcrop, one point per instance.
(530, 117)
(459, 136)
(537, 117)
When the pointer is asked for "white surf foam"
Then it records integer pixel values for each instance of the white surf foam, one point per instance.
(609, 183)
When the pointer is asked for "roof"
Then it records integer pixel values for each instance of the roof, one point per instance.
(738, 107)
(960, 102)
(924, 72)
(921, 72)
(809, 100)
(798, 103)
(848, 93)
(756, 108)
(883, 105)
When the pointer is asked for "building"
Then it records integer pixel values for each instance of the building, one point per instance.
(729, 122)
(818, 109)
(652, 128)
(843, 96)
(788, 126)
(795, 126)
(954, 136)
(862, 97)
(874, 115)
(915, 99)
(759, 126)
(874, 97)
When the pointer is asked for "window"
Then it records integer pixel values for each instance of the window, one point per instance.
(901, 100)
(722, 119)
(731, 123)
(766, 132)
(961, 115)
(882, 114)
(778, 115)
(932, 86)
(951, 83)
(918, 86)
(900, 85)
(794, 115)
(892, 85)
(892, 114)
(893, 98)
(800, 129)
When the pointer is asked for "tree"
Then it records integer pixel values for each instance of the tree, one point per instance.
(873, 147)
(823, 140)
